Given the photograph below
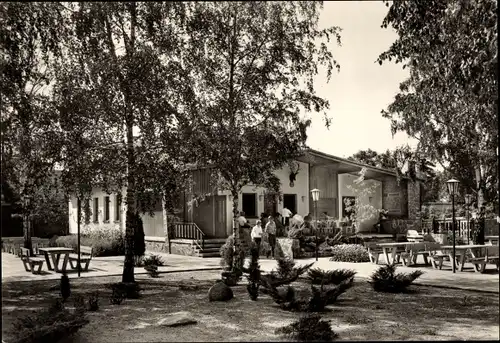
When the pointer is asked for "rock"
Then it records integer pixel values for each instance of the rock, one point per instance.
(220, 292)
(177, 319)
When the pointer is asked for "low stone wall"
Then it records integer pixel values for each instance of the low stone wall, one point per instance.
(181, 248)
(156, 246)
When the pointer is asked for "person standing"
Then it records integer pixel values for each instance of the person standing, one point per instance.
(271, 233)
(286, 216)
(257, 234)
(242, 221)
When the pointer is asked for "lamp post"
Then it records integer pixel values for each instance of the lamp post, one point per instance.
(468, 202)
(315, 196)
(453, 190)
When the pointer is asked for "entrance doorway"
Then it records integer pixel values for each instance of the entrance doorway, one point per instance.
(290, 202)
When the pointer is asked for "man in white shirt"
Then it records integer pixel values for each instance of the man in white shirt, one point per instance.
(271, 233)
(257, 234)
(286, 216)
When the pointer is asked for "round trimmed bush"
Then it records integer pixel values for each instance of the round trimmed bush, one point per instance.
(349, 253)
(220, 292)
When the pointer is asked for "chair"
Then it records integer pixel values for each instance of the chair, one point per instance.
(31, 262)
(85, 257)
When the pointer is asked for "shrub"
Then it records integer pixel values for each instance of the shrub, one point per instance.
(49, 325)
(229, 260)
(152, 270)
(65, 286)
(285, 267)
(254, 275)
(151, 260)
(53, 241)
(318, 276)
(349, 253)
(107, 242)
(308, 328)
(385, 279)
(94, 301)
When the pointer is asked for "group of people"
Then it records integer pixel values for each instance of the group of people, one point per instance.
(272, 225)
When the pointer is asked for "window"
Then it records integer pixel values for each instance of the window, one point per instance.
(249, 204)
(290, 202)
(118, 204)
(96, 210)
(106, 208)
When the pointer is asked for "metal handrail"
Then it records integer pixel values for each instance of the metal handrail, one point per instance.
(189, 231)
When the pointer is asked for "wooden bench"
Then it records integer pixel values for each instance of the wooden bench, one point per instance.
(435, 255)
(31, 262)
(85, 257)
(374, 251)
(410, 255)
(490, 256)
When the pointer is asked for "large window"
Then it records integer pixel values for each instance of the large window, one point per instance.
(106, 209)
(290, 202)
(118, 204)
(95, 211)
(249, 204)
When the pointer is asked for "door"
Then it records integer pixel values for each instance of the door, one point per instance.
(270, 204)
(290, 202)
(219, 229)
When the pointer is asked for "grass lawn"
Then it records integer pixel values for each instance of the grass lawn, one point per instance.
(360, 314)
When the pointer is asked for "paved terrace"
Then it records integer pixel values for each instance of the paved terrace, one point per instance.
(13, 270)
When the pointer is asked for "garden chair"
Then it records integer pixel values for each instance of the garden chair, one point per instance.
(85, 257)
(414, 236)
(31, 262)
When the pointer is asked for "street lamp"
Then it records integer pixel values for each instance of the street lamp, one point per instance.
(453, 190)
(468, 202)
(315, 196)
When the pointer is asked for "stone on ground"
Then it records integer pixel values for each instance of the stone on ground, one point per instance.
(220, 292)
(177, 319)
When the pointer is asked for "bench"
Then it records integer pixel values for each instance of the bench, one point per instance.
(490, 256)
(435, 255)
(31, 262)
(411, 253)
(374, 251)
(85, 257)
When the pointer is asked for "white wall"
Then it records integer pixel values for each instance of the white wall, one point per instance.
(300, 188)
(99, 193)
(346, 180)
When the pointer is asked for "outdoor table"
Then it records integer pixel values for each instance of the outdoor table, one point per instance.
(492, 239)
(460, 251)
(55, 254)
(393, 247)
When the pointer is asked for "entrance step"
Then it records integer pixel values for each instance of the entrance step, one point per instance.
(209, 254)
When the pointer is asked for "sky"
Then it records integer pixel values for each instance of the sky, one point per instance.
(362, 88)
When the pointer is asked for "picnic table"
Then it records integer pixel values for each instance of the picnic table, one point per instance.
(460, 252)
(393, 249)
(492, 239)
(55, 254)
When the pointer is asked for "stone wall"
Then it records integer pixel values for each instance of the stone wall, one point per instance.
(157, 246)
(185, 249)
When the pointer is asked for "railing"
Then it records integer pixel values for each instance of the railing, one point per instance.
(189, 231)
